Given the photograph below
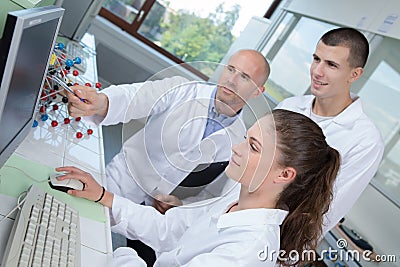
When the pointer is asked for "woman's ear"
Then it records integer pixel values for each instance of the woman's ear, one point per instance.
(286, 176)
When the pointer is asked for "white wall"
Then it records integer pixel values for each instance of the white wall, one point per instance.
(371, 15)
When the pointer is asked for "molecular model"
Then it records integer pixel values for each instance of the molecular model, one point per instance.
(53, 103)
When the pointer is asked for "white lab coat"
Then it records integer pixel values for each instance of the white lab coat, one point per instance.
(199, 236)
(158, 157)
(360, 146)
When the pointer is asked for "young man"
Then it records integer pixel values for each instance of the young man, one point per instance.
(339, 59)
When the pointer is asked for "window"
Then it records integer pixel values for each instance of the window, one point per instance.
(381, 94)
(185, 31)
(289, 51)
(126, 10)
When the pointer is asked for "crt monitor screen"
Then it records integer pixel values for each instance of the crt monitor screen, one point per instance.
(26, 50)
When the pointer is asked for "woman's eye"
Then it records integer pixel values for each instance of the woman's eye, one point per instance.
(253, 147)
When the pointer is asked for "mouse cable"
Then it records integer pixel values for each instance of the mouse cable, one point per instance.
(102, 252)
(20, 202)
(27, 175)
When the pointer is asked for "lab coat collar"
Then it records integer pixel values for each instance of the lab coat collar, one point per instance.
(346, 118)
(204, 94)
(259, 216)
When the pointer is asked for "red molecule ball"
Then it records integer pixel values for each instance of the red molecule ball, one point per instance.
(88, 84)
(79, 135)
(67, 121)
(75, 84)
(98, 85)
(55, 107)
(42, 109)
(43, 96)
(78, 119)
(90, 131)
(65, 72)
(54, 123)
(75, 73)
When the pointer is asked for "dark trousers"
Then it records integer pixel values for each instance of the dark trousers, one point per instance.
(144, 251)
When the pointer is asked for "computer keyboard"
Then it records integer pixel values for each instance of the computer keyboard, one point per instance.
(74, 50)
(45, 233)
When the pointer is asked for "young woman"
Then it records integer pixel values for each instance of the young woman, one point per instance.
(286, 171)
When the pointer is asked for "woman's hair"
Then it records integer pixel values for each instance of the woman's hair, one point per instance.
(302, 146)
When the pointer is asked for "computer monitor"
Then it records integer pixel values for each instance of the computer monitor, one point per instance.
(78, 16)
(25, 50)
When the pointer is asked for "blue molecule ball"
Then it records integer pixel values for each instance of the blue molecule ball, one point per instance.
(69, 63)
(60, 46)
(77, 60)
(44, 117)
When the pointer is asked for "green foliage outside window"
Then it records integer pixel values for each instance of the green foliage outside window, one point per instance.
(190, 37)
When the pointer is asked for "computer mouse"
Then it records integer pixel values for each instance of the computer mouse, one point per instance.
(66, 184)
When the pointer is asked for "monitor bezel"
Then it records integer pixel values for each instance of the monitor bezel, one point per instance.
(17, 22)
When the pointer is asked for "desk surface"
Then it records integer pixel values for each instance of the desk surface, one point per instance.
(56, 147)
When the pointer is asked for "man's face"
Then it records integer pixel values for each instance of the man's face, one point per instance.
(237, 82)
(331, 73)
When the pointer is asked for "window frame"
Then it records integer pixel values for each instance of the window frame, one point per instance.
(133, 29)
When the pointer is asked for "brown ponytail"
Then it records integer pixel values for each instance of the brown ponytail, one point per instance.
(303, 147)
